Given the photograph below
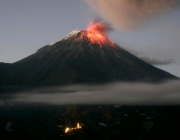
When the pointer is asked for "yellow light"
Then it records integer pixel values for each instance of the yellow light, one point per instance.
(71, 129)
(67, 130)
(78, 126)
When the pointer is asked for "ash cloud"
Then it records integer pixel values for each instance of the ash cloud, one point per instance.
(157, 62)
(114, 93)
(127, 14)
(152, 61)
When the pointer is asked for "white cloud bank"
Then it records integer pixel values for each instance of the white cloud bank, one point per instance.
(114, 93)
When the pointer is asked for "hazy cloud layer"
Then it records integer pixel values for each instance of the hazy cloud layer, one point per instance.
(157, 62)
(115, 93)
(152, 61)
(127, 14)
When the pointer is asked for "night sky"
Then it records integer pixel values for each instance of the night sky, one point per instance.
(27, 25)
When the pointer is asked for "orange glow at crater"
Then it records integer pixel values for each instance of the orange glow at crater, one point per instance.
(98, 27)
(95, 35)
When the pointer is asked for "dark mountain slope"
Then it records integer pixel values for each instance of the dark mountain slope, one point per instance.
(77, 60)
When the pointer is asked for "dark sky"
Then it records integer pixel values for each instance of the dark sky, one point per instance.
(27, 25)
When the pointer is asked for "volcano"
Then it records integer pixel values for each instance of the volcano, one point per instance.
(83, 56)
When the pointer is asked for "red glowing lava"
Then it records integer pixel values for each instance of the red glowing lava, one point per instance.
(98, 27)
(95, 34)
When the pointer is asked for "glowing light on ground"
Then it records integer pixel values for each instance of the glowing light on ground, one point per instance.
(68, 129)
(78, 126)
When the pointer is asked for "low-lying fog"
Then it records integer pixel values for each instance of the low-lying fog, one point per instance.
(114, 93)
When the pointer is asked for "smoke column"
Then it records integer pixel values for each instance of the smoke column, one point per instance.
(128, 14)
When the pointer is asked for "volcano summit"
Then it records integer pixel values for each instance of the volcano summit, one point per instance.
(81, 57)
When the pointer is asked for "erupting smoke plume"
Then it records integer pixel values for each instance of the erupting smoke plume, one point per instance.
(127, 14)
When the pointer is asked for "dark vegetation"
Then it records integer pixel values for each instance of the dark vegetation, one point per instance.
(45, 122)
